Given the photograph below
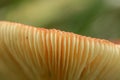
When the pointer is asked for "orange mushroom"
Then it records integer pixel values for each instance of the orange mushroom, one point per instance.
(29, 53)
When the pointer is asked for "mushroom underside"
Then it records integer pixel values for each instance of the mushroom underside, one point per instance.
(29, 53)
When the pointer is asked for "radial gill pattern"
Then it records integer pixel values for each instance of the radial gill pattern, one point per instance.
(29, 53)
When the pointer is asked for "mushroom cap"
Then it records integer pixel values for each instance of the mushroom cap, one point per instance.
(30, 53)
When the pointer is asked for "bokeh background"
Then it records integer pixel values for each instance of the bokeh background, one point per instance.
(95, 18)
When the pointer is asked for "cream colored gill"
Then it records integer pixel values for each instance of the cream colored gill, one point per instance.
(30, 53)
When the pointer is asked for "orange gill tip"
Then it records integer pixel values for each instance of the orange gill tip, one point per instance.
(30, 53)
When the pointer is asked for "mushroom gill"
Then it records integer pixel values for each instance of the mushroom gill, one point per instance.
(29, 53)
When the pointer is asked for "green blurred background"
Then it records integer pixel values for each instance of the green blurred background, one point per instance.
(95, 18)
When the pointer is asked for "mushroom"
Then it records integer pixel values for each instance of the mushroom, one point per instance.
(29, 53)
